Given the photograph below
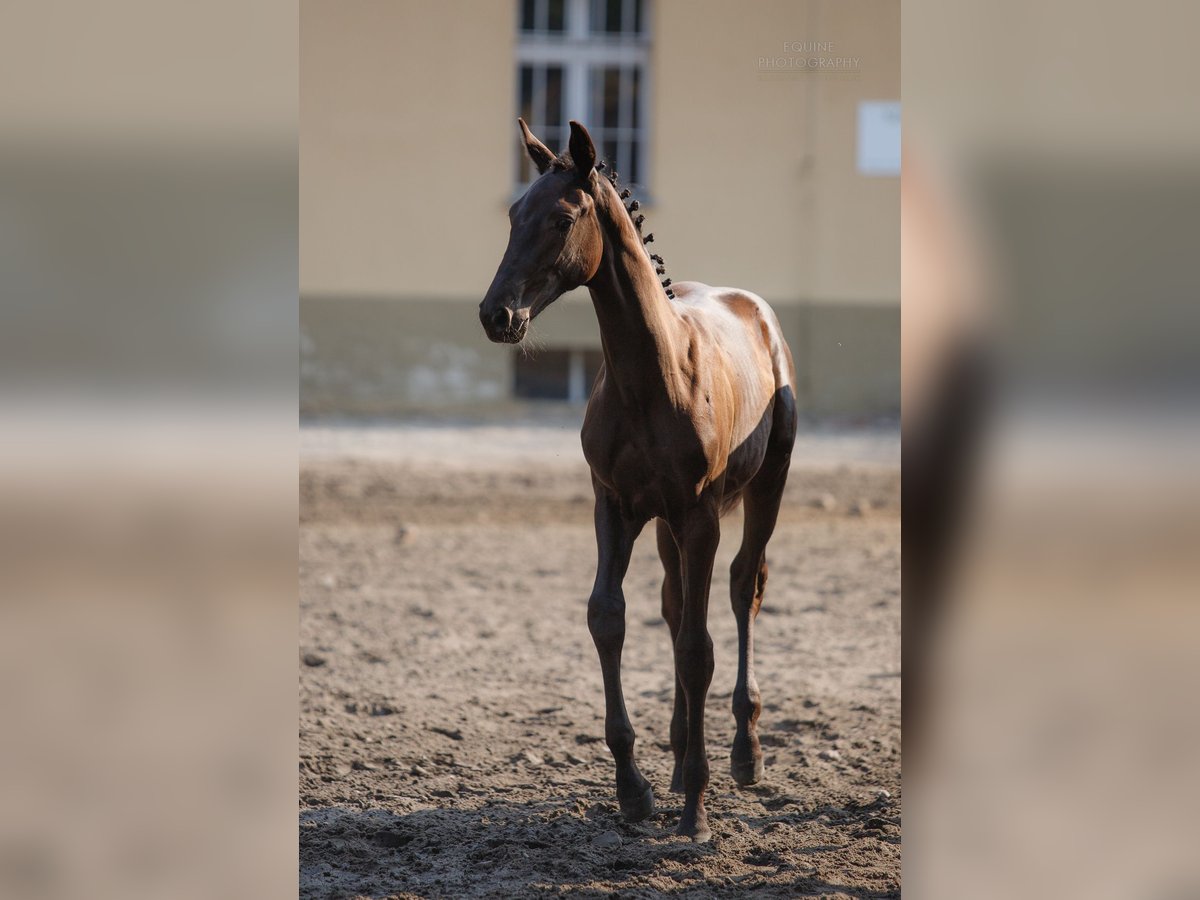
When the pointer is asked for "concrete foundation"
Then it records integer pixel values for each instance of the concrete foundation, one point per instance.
(387, 357)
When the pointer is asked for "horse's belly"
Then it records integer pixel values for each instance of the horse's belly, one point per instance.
(747, 457)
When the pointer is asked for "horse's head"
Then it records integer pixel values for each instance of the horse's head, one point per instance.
(554, 242)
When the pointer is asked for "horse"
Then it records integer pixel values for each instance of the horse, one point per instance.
(693, 410)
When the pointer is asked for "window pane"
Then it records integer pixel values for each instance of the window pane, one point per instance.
(528, 15)
(610, 110)
(612, 16)
(555, 22)
(636, 97)
(595, 98)
(637, 16)
(539, 96)
(635, 168)
(606, 16)
(525, 101)
(554, 96)
(525, 111)
(621, 163)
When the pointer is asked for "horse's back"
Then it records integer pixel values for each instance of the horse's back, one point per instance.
(739, 314)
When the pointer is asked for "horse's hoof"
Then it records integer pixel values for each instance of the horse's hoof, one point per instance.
(634, 809)
(698, 830)
(747, 772)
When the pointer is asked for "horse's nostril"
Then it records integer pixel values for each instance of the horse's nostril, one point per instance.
(501, 318)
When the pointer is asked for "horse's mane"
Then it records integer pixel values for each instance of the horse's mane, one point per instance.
(564, 163)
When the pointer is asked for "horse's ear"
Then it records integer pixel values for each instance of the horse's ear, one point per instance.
(583, 151)
(538, 152)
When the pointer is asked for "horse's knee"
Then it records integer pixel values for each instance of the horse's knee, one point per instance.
(606, 618)
(693, 644)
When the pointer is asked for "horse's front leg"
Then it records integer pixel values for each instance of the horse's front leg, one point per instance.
(698, 535)
(615, 535)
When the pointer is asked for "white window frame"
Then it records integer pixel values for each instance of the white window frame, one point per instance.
(579, 51)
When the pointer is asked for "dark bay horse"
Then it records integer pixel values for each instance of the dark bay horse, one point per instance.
(693, 410)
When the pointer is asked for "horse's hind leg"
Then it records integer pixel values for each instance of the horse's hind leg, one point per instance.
(672, 611)
(747, 581)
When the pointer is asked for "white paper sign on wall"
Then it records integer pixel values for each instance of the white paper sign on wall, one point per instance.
(879, 137)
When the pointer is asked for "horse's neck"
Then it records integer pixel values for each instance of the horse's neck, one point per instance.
(638, 326)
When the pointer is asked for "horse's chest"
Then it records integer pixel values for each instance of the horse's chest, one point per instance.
(649, 473)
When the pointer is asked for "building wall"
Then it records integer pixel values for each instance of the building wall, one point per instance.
(406, 133)
(407, 142)
(756, 171)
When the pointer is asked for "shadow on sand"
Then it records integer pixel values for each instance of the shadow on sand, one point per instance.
(549, 847)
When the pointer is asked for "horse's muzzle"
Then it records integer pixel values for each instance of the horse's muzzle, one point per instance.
(502, 326)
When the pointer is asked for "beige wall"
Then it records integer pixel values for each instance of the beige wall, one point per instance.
(406, 124)
(407, 130)
(406, 145)
(755, 172)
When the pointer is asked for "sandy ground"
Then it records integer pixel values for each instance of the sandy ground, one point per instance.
(451, 710)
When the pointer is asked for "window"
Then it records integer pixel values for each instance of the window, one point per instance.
(556, 374)
(586, 60)
(542, 15)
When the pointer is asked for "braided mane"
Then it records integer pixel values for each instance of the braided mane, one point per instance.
(637, 220)
(563, 162)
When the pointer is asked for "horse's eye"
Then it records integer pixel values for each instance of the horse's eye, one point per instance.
(563, 225)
